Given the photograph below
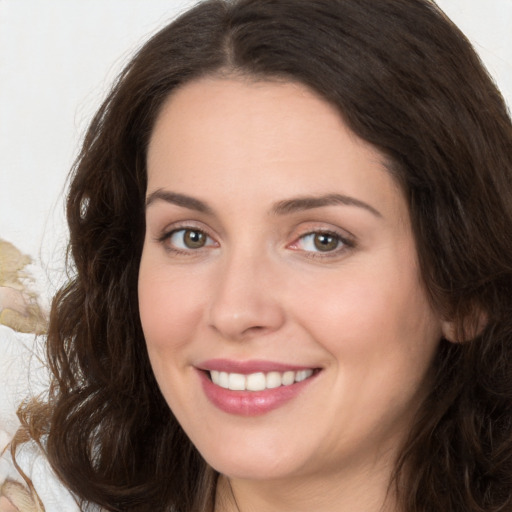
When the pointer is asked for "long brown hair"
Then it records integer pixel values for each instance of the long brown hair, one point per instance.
(405, 79)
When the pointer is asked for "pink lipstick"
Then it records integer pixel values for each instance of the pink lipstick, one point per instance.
(252, 388)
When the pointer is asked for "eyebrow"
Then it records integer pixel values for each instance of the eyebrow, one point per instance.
(284, 207)
(179, 200)
(310, 202)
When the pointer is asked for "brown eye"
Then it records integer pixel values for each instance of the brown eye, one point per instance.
(189, 239)
(321, 242)
(326, 242)
(194, 239)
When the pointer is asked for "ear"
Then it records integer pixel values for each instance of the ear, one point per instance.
(449, 331)
(467, 330)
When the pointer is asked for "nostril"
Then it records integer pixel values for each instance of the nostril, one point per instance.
(236, 317)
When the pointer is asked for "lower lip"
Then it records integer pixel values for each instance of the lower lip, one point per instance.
(251, 403)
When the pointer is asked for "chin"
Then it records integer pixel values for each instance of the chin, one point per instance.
(255, 465)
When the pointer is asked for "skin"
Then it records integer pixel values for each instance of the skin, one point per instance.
(259, 288)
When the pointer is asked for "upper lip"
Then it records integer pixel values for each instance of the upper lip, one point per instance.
(248, 367)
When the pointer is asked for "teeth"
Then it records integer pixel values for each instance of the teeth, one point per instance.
(255, 382)
(224, 380)
(288, 378)
(258, 381)
(273, 380)
(236, 381)
(302, 375)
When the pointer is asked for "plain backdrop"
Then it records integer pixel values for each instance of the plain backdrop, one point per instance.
(57, 60)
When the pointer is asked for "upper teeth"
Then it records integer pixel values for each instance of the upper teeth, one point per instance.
(257, 381)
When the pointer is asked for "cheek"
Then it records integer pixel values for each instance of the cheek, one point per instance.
(170, 307)
(370, 312)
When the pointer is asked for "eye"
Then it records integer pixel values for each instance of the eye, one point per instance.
(321, 242)
(189, 239)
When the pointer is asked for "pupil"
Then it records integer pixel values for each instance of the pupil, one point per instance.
(325, 242)
(194, 239)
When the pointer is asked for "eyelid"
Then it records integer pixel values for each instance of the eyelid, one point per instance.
(346, 239)
(170, 230)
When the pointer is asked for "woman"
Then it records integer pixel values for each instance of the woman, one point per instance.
(291, 223)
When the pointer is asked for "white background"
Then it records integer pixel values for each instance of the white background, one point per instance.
(57, 59)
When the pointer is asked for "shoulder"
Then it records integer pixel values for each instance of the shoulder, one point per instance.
(32, 471)
(23, 375)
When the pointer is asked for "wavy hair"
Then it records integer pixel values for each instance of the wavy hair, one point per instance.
(405, 79)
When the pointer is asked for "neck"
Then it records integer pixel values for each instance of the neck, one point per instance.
(366, 491)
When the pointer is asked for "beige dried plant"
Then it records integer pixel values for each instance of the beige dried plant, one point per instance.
(19, 305)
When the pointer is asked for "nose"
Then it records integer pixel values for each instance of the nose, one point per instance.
(245, 302)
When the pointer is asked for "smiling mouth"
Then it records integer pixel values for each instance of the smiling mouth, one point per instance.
(258, 381)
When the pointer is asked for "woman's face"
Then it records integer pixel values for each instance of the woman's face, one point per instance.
(280, 297)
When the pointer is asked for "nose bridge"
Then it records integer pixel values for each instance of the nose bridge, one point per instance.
(245, 299)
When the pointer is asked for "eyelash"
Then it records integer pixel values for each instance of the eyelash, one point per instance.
(345, 242)
(166, 237)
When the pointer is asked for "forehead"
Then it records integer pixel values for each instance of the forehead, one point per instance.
(272, 119)
(209, 108)
(261, 135)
